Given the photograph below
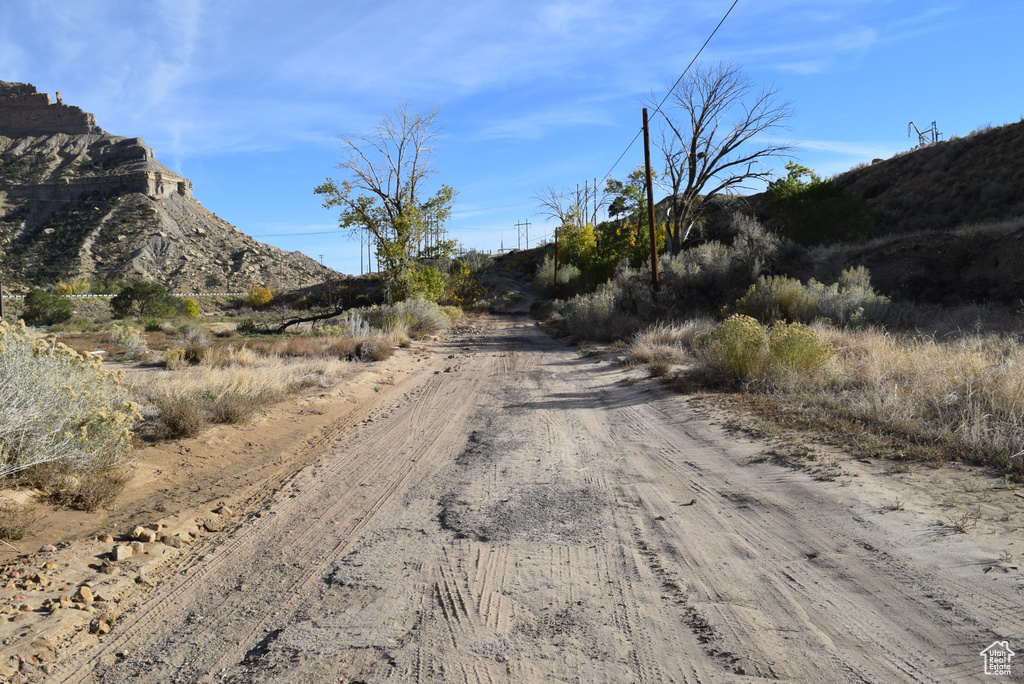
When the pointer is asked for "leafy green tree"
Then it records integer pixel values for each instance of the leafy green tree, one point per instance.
(816, 211)
(629, 238)
(383, 197)
(45, 308)
(141, 299)
(793, 184)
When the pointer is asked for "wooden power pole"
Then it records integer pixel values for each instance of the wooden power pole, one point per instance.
(655, 283)
(554, 281)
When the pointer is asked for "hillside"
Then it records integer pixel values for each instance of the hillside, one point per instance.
(940, 224)
(77, 202)
(973, 179)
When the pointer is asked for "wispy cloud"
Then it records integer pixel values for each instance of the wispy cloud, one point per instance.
(810, 40)
(859, 150)
(533, 123)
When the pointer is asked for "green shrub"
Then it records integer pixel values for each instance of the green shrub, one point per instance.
(817, 211)
(45, 308)
(247, 326)
(570, 282)
(174, 359)
(593, 316)
(849, 301)
(327, 331)
(127, 336)
(413, 317)
(464, 287)
(76, 324)
(454, 313)
(59, 408)
(502, 302)
(142, 300)
(427, 282)
(779, 298)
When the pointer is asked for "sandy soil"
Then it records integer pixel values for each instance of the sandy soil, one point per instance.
(513, 510)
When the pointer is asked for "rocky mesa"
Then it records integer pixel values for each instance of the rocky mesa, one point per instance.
(78, 202)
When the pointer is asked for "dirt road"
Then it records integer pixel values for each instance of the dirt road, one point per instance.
(517, 512)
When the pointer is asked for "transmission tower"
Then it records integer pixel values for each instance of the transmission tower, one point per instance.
(928, 136)
(521, 230)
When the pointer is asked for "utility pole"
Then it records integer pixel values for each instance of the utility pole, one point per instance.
(655, 284)
(554, 280)
(3, 313)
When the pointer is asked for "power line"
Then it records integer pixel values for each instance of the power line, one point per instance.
(674, 85)
(682, 75)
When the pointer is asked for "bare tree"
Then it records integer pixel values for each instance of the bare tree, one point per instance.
(556, 204)
(382, 193)
(717, 138)
(572, 205)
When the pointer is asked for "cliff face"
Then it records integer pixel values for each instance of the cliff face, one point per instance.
(23, 111)
(77, 202)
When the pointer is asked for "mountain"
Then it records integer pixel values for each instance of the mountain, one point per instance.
(78, 202)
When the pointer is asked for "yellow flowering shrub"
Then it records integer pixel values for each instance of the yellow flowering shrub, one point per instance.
(738, 347)
(75, 287)
(259, 296)
(796, 346)
(464, 287)
(191, 307)
(59, 407)
(743, 349)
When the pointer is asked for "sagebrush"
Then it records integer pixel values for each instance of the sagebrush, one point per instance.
(61, 408)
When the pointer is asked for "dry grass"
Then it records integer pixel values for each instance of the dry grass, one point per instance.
(659, 368)
(910, 396)
(92, 491)
(233, 409)
(227, 380)
(196, 343)
(229, 386)
(967, 394)
(375, 349)
(666, 343)
(15, 520)
(179, 416)
(307, 347)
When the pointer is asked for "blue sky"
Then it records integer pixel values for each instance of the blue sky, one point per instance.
(248, 97)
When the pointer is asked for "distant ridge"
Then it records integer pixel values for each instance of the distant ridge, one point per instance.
(77, 202)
